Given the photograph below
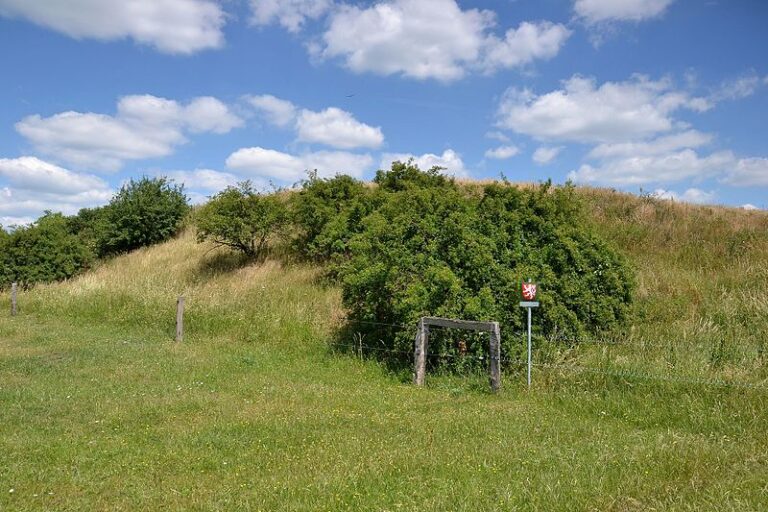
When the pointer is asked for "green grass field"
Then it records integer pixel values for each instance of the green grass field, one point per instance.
(101, 410)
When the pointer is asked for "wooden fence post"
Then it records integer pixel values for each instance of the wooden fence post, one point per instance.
(420, 354)
(180, 319)
(14, 308)
(495, 349)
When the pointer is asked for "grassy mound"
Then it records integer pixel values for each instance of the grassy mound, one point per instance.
(101, 410)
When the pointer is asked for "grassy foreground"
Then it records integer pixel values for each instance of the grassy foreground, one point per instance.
(102, 411)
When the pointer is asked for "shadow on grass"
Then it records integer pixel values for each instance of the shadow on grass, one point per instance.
(223, 262)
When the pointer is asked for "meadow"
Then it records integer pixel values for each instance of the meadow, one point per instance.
(255, 410)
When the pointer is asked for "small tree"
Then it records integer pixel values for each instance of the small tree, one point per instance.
(143, 213)
(242, 219)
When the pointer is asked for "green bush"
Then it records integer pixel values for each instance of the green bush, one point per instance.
(44, 252)
(142, 213)
(92, 226)
(242, 219)
(327, 212)
(420, 244)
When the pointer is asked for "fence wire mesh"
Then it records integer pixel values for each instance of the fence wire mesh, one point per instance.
(574, 355)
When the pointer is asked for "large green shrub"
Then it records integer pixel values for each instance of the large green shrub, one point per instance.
(92, 226)
(420, 244)
(327, 212)
(142, 213)
(43, 252)
(242, 219)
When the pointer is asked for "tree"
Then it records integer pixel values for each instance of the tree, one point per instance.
(242, 219)
(327, 213)
(44, 252)
(143, 213)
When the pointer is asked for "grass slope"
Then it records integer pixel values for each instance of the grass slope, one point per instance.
(100, 410)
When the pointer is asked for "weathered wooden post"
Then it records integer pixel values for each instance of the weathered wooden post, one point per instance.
(420, 353)
(421, 345)
(180, 319)
(14, 308)
(495, 349)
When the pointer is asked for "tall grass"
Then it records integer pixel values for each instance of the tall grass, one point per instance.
(101, 410)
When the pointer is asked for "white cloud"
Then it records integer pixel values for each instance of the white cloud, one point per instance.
(332, 127)
(658, 146)
(200, 184)
(596, 11)
(435, 39)
(207, 114)
(202, 179)
(668, 159)
(34, 185)
(658, 168)
(449, 160)
(583, 112)
(545, 154)
(497, 135)
(278, 112)
(337, 128)
(33, 174)
(272, 164)
(502, 152)
(738, 88)
(530, 41)
(748, 172)
(291, 14)
(144, 127)
(692, 195)
(7, 221)
(331, 163)
(749, 207)
(171, 26)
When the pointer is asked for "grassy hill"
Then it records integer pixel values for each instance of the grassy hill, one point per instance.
(255, 411)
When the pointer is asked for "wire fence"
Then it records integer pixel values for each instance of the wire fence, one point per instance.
(560, 345)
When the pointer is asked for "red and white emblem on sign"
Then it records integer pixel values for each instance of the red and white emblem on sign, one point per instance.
(529, 291)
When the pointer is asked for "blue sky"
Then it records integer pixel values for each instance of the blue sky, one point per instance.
(663, 96)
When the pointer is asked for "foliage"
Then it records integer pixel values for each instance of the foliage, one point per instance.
(142, 213)
(242, 219)
(44, 252)
(327, 212)
(92, 226)
(408, 175)
(420, 244)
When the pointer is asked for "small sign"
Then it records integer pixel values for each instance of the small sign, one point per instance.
(528, 291)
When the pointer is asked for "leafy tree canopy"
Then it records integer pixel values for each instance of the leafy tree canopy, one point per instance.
(242, 219)
(142, 213)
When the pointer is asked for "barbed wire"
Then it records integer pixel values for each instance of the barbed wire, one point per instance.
(570, 340)
(654, 377)
(381, 324)
(510, 362)
(575, 341)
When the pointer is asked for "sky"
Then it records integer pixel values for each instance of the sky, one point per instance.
(662, 97)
